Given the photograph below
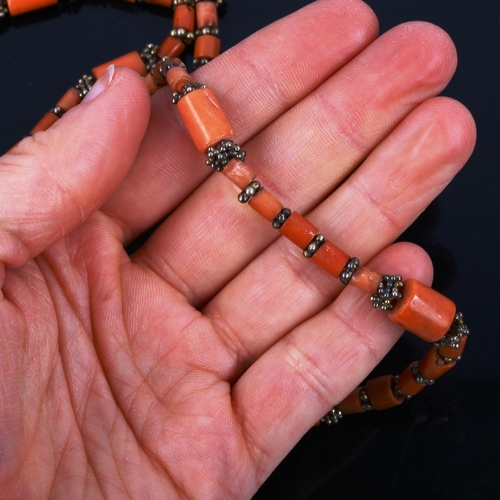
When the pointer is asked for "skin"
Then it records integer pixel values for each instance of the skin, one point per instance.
(190, 368)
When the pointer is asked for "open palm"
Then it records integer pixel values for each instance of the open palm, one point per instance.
(191, 367)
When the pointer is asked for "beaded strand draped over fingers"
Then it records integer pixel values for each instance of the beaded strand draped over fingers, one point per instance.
(139, 378)
(411, 304)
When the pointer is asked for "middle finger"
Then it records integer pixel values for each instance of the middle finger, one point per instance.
(202, 246)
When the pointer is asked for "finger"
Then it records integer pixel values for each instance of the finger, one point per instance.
(313, 368)
(338, 125)
(369, 211)
(51, 182)
(243, 80)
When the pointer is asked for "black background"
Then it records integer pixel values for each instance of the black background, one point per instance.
(445, 443)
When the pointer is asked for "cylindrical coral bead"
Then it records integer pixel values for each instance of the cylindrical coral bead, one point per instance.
(206, 15)
(204, 119)
(206, 47)
(48, 119)
(331, 258)
(366, 280)
(151, 85)
(423, 311)
(238, 173)
(407, 382)
(17, 7)
(131, 60)
(380, 392)
(432, 365)
(352, 403)
(265, 204)
(171, 47)
(69, 100)
(184, 17)
(177, 77)
(298, 230)
(163, 3)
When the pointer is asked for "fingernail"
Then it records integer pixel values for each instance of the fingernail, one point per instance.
(101, 84)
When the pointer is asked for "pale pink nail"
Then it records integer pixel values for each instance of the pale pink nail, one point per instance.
(101, 84)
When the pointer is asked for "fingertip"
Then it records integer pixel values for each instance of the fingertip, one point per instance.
(406, 259)
(433, 51)
(460, 127)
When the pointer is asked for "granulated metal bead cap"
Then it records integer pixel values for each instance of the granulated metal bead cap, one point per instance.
(220, 155)
(389, 291)
(281, 218)
(349, 270)
(249, 192)
(314, 246)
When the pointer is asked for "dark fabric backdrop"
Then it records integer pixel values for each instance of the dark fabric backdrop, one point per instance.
(445, 443)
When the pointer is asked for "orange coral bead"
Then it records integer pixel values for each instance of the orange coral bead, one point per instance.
(407, 383)
(366, 280)
(423, 311)
(162, 3)
(238, 173)
(131, 60)
(265, 204)
(331, 258)
(432, 365)
(150, 84)
(47, 120)
(352, 403)
(184, 17)
(17, 7)
(206, 47)
(381, 394)
(206, 15)
(204, 119)
(177, 77)
(298, 230)
(171, 47)
(69, 100)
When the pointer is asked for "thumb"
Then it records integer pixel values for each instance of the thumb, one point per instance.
(53, 181)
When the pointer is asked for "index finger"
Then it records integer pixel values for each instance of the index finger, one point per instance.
(163, 175)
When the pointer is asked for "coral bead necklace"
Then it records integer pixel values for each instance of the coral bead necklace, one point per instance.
(409, 303)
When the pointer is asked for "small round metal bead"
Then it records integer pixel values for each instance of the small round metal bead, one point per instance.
(332, 417)
(200, 62)
(57, 111)
(4, 10)
(182, 34)
(207, 30)
(366, 404)
(84, 85)
(418, 376)
(149, 57)
(281, 218)
(249, 192)
(397, 390)
(388, 292)
(163, 66)
(220, 155)
(314, 246)
(177, 96)
(453, 336)
(349, 270)
(176, 3)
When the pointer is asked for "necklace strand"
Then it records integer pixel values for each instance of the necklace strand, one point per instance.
(411, 304)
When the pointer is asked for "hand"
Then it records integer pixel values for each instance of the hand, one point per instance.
(191, 367)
